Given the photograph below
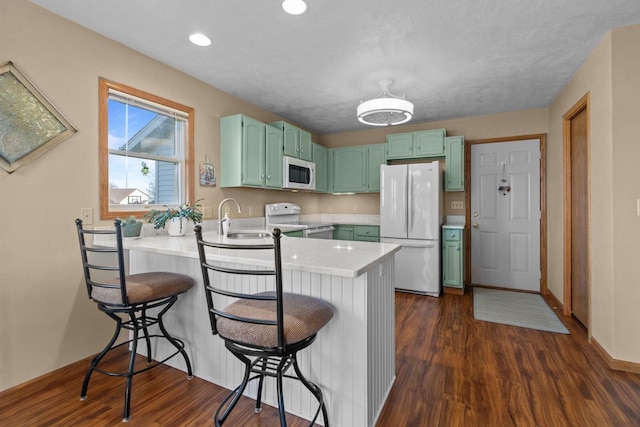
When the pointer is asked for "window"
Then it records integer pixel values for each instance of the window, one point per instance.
(146, 151)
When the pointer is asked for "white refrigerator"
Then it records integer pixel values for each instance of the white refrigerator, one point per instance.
(411, 216)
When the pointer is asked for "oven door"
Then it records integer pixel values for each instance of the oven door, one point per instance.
(319, 233)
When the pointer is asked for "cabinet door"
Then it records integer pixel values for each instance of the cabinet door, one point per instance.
(305, 150)
(452, 264)
(429, 143)
(273, 157)
(320, 159)
(400, 146)
(344, 232)
(454, 168)
(367, 233)
(349, 169)
(376, 156)
(253, 152)
(291, 139)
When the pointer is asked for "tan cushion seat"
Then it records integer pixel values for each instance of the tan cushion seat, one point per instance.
(144, 287)
(303, 317)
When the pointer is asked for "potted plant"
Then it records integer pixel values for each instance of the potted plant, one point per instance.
(130, 227)
(175, 217)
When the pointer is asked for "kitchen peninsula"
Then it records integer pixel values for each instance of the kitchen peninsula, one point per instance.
(353, 357)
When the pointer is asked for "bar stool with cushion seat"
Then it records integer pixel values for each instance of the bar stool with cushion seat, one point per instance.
(264, 330)
(129, 296)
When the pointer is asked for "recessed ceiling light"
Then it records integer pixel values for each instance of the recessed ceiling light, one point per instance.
(200, 39)
(294, 7)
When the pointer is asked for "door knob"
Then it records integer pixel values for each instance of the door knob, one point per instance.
(476, 225)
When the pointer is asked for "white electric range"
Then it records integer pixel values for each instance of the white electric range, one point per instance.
(288, 215)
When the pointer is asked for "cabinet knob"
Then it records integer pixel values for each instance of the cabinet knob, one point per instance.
(268, 176)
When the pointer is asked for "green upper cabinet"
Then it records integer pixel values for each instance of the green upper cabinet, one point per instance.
(273, 157)
(350, 169)
(428, 143)
(454, 159)
(355, 169)
(305, 146)
(400, 146)
(320, 158)
(296, 142)
(376, 156)
(245, 154)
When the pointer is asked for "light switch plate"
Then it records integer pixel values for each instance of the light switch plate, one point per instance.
(86, 215)
(457, 205)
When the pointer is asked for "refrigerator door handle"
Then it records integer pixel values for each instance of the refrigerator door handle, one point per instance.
(410, 201)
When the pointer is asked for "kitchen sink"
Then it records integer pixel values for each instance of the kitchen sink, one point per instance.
(248, 235)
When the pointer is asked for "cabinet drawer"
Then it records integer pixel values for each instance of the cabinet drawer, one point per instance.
(451, 235)
(368, 231)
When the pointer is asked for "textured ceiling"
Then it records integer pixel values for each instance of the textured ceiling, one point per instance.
(451, 58)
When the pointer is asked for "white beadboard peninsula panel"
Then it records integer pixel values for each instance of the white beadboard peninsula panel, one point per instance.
(352, 359)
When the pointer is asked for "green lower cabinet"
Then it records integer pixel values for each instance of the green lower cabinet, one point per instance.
(452, 258)
(344, 232)
(295, 233)
(358, 233)
(367, 233)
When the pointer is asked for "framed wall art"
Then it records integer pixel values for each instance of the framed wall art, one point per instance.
(29, 124)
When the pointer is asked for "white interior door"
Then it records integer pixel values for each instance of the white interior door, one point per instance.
(505, 222)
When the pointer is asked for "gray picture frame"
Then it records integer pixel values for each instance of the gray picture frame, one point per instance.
(29, 124)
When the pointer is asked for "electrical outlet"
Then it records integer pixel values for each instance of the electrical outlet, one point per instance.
(251, 211)
(86, 215)
(207, 212)
(457, 205)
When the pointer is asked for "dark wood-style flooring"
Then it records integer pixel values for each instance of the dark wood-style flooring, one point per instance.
(451, 371)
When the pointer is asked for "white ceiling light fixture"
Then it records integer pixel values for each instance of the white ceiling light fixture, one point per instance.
(294, 7)
(386, 109)
(200, 39)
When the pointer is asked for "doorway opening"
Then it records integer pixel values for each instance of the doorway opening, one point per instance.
(577, 239)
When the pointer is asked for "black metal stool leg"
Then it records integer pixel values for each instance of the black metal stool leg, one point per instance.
(145, 331)
(236, 393)
(258, 408)
(132, 365)
(98, 358)
(279, 374)
(315, 390)
(172, 340)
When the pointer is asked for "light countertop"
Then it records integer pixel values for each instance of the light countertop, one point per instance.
(333, 257)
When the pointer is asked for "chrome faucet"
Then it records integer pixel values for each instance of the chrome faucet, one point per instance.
(228, 199)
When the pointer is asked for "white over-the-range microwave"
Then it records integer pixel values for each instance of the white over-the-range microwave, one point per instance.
(298, 174)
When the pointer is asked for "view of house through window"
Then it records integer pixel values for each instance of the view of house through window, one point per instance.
(145, 141)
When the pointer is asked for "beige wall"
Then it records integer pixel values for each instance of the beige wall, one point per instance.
(594, 77)
(610, 76)
(626, 192)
